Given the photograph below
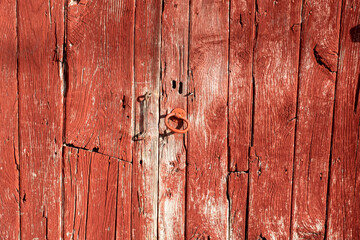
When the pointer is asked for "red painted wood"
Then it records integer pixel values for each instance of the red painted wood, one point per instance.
(207, 205)
(123, 202)
(276, 56)
(76, 174)
(9, 155)
(145, 151)
(40, 34)
(242, 29)
(237, 191)
(97, 196)
(344, 205)
(172, 148)
(318, 57)
(100, 60)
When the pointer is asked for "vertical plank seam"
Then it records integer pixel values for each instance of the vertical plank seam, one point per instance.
(252, 120)
(228, 128)
(341, 3)
(158, 133)
(296, 122)
(188, 117)
(133, 112)
(117, 196)
(65, 77)
(88, 197)
(162, 5)
(18, 110)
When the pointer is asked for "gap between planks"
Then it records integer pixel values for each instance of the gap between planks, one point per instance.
(94, 150)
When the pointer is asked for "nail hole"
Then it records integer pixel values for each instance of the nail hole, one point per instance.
(180, 87)
(95, 149)
(173, 84)
(124, 102)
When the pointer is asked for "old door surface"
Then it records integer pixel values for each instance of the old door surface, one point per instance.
(270, 90)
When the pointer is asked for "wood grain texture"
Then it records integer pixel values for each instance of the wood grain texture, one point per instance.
(97, 199)
(317, 75)
(145, 151)
(123, 201)
(9, 155)
(242, 29)
(276, 56)
(344, 204)
(207, 205)
(40, 55)
(100, 76)
(237, 194)
(172, 148)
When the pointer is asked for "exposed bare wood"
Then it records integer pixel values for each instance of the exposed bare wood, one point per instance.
(172, 147)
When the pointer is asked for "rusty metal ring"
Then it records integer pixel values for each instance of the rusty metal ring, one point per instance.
(179, 114)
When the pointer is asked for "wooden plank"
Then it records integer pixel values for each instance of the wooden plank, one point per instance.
(97, 199)
(76, 175)
(240, 102)
(40, 55)
(100, 59)
(9, 155)
(344, 205)
(172, 148)
(123, 202)
(242, 16)
(276, 56)
(237, 193)
(317, 74)
(207, 206)
(145, 151)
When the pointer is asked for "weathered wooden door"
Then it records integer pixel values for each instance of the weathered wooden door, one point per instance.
(270, 89)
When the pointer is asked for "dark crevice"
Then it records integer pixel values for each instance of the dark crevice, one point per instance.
(18, 117)
(242, 172)
(261, 237)
(228, 98)
(180, 87)
(256, 24)
(133, 114)
(229, 206)
(116, 200)
(181, 57)
(252, 127)
(296, 123)
(17, 164)
(252, 112)
(228, 123)
(357, 95)
(159, 109)
(107, 183)
(87, 198)
(321, 61)
(94, 150)
(332, 128)
(256, 7)
(65, 85)
(124, 102)
(187, 108)
(46, 224)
